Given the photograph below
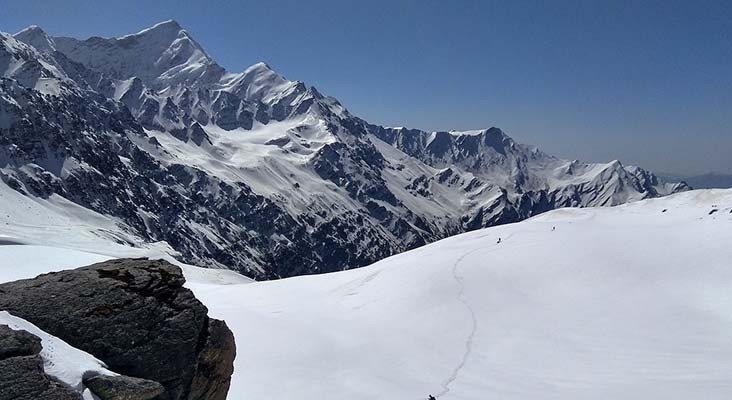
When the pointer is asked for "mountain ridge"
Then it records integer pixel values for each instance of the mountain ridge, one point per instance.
(709, 180)
(255, 172)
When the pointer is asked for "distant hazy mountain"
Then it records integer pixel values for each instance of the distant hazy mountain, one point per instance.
(255, 172)
(710, 180)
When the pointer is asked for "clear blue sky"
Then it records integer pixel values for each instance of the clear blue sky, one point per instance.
(649, 83)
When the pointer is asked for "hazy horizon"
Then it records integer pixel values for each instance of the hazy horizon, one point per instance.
(648, 84)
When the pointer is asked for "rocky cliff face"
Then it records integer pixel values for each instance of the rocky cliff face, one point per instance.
(255, 172)
(136, 316)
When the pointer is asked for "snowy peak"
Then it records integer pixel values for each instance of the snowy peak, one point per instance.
(169, 63)
(162, 55)
(170, 27)
(257, 83)
(29, 67)
(36, 37)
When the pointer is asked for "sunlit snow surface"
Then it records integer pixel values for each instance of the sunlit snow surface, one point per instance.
(630, 302)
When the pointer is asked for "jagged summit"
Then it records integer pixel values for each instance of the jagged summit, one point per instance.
(169, 62)
(164, 54)
(259, 82)
(28, 66)
(260, 66)
(30, 29)
(36, 37)
(168, 26)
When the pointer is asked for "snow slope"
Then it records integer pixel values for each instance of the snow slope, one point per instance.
(44, 235)
(628, 302)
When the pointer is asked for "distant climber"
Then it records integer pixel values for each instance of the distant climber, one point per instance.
(554, 228)
(431, 398)
(499, 241)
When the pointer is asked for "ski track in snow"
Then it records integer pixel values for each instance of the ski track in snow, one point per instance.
(473, 319)
(474, 326)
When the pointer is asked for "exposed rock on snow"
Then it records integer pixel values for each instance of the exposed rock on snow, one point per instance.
(215, 363)
(136, 316)
(18, 343)
(123, 387)
(21, 370)
(61, 361)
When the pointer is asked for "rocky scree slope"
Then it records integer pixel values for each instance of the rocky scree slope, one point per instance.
(255, 172)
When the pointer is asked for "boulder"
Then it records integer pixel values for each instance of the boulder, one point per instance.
(18, 343)
(136, 316)
(21, 370)
(122, 387)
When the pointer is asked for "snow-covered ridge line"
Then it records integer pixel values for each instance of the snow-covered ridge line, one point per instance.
(257, 172)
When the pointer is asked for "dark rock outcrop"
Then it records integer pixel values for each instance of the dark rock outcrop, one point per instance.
(136, 316)
(21, 370)
(215, 363)
(18, 343)
(122, 387)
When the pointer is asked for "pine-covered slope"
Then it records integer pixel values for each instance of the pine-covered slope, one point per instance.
(255, 172)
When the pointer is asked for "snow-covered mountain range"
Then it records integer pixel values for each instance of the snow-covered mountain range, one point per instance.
(252, 171)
